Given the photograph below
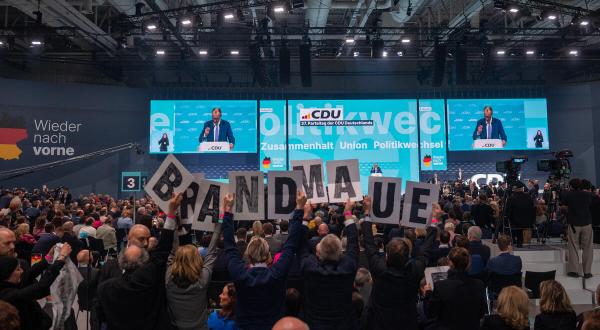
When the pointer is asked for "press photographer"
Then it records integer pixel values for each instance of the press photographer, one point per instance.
(577, 201)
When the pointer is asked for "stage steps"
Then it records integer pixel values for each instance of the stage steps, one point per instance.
(553, 256)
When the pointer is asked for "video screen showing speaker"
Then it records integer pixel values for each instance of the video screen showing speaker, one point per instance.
(497, 124)
(381, 134)
(207, 126)
(272, 146)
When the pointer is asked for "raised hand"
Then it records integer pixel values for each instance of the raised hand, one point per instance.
(367, 204)
(348, 206)
(307, 210)
(228, 202)
(174, 203)
(300, 200)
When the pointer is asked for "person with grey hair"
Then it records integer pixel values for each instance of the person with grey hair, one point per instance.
(476, 247)
(261, 287)
(329, 277)
(137, 298)
(290, 323)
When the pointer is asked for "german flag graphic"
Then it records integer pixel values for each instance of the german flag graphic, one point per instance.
(12, 130)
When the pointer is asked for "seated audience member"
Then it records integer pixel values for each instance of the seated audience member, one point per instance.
(290, 323)
(88, 228)
(293, 302)
(24, 293)
(136, 299)
(461, 241)
(587, 314)
(224, 319)
(322, 231)
(450, 228)
(240, 236)
(513, 311)
(556, 311)
(261, 287)
(457, 302)
(363, 284)
(25, 242)
(9, 316)
(476, 246)
(257, 229)
(505, 263)
(441, 250)
(395, 290)
(328, 278)
(593, 323)
(274, 244)
(108, 235)
(188, 276)
(47, 241)
(283, 231)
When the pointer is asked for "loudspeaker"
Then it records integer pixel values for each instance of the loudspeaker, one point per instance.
(377, 46)
(305, 65)
(284, 66)
(439, 65)
(460, 66)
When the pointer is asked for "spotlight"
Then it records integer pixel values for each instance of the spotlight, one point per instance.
(405, 40)
(356, 54)
(500, 52)
(186, 21)
(530, 52)
(400, 53)
(1, 43)
(573, 52)
(584, 22)
(384, 54)
(203, 52)
(229, 16)
(151, 26)
(349, 40)
(36, 42)
(160, 52)
(551, 17)
(279, 9)
(235, 52)
(513, 9)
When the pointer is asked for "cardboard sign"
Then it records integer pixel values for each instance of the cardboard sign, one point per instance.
(210, 197)
(386, 196)
(343, 181)
(171, 177)
(418, 202)
(313, 179)
(249, 189)
(282, 187)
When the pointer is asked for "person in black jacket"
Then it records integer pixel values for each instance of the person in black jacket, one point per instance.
(556, 312)
(457, 302)
(579, 231)
(164, 142)
(24, 297)
(520, 212)
(137, 299)
(482, 213)
(328, 278)
(396, 280)
(261, 288)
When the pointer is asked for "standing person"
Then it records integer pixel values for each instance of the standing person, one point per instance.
(539, 139)
(393, 298)
(556, 312)
(579, 231)
(217, 130)
(328, 278)
(457, 302)
(261, 287)
(187, 279)
(520, 211)
(376, 169)
(164, 142)
(224, 319)
(513, 311)
(488, 127)
(482, 213)
(108, 235)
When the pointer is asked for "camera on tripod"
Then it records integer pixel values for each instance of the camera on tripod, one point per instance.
(559, 167)
(511, 168)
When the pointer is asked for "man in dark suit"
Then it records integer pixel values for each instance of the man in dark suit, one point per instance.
(520, 212)
(476, 247)
(47, 241)
(217, 130)
(457, 302)
(489, 128)
(505, 263)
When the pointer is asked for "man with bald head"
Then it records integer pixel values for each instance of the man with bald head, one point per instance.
(290, 323)
(86, 292)
(139, 235)
(322, 231)
(7, 242)
(69, 237)
(136, 299)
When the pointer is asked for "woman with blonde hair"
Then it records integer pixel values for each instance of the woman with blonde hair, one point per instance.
(187, 279)
(513, 311)
(556, 312)
(257, 229)
(25, 241)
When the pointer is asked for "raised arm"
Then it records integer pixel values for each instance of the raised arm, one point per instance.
(377, 264)
(235, 264)
(211, 256)
(167, 233)
(351, 232)
(282, 266)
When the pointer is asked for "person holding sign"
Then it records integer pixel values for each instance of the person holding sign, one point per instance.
(217, 130)
(261, 287)
(329, 277)
(395, 279)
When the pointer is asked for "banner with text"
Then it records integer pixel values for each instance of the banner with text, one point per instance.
(386, 199)
(432, 135)
(313, 179)
(418, 201)
(272, 151)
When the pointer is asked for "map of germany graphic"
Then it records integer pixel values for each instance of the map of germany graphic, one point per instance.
(12, 131)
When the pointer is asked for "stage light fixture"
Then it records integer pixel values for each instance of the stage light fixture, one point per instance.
(530, 52)
(500, 52)
(513, 9)
(400, 53)
(405, 40)
(1, 43)
(279, 9)
(36, 43)
(235, 52)
(573, 52)
(203, 52)
(229, 16)
(356, 54)
(186, 21)
(349, 40)
(584, 22)
(384, 54)
(160, 52)
(151, 26)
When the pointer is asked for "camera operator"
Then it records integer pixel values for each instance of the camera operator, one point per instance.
(520, 212)
(579, 232)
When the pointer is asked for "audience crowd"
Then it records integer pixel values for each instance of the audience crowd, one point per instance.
(328, 267)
